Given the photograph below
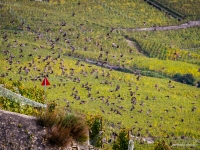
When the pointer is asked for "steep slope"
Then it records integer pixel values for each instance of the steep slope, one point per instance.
(56, 41)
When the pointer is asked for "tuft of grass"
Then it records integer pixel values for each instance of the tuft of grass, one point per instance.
(77, 126)
(59, 135)
(63, 128)
(48, 118)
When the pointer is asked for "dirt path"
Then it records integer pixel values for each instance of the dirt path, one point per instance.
(182, 26)
(133, 44)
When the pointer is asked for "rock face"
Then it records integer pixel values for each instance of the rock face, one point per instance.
(20, 132)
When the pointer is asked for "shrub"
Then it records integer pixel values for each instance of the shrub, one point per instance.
(198, 84)
(189, 79)
(63, 128)
(161, 145)
(77, 126)
(48, 118)
(95, 128)
(177, 77)
(186, 78)
(122, 141)
(59, 135)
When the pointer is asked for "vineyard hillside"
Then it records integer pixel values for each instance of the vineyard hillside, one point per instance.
(101, 63)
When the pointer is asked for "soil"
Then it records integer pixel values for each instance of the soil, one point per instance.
(21, 132)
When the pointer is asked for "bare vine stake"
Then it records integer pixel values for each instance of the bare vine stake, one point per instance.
(101, 131)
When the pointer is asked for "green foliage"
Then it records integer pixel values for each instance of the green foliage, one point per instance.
(122, 141)
(152, 74)
(177, 77)
(12, 106)
(56, 1)
(17, 84)
(198, 84)
(186, 78)
(51, 106)
(18, 87)
(33, 93)
(95, 128)
(161, 145)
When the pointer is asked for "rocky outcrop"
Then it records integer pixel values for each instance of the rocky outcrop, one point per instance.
(21, 132)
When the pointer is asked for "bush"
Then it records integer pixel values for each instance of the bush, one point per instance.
(186, 78)
(162, 146)
(77, 126)
(95, 123)
(122, 141)
(198, 84)
(59, 135)
(63, 128)
(48, 118)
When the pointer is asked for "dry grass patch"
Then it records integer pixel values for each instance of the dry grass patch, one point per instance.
(63, 128)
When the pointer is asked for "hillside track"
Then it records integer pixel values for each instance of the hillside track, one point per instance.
(189, 24)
